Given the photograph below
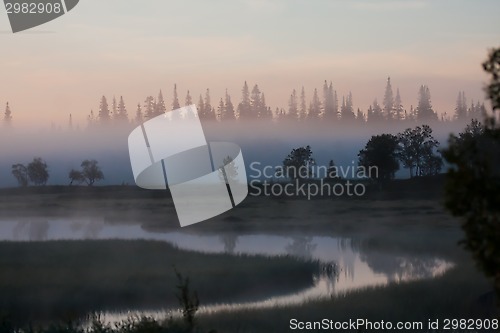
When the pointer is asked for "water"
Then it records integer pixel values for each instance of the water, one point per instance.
(355, 266)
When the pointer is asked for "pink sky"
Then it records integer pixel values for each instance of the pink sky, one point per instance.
(116, 48)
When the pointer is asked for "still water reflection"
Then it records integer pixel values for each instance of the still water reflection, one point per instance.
(346, 263)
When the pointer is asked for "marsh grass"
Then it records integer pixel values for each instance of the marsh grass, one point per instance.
(96, 325)
(402, 205)
(457, 294)
(54, 280)
(58, 279)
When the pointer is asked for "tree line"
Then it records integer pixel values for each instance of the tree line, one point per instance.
(324, 106)
(327, 106)
(414, 148)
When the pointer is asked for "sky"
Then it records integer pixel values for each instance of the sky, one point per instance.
(135, 48)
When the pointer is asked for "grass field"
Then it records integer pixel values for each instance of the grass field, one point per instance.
(52, 280)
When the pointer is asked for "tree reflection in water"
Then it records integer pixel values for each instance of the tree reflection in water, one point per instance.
(229, 240)
(301, 247)
(399, 268)
(36, 229)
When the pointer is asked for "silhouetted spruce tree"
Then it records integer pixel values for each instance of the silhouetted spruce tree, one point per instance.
(150, 107)
(114, 108)
(329, 111)
(342, 108)
(444, 117)
(388, 102)
(220, 109)
(175, 102)
(476, 111)
(412, 115)
(360, 117)
(375, 113)
(228, 111)
(208, 111)
(201, 107)
(327, 102)
(139, 117)
(369, 115)
(425, 113)
(398, 107)
(244, 108)
(188, 102)
(315, 107)
(280, 114)
(121, 115)
(104, 115)
(7, 116)
(482, 110)
(303, 104)
(91, 119)
(348, 112)
(335, 102)
(461, 107)
(293, 109)
(159, 105)
(258, 104)
(70, 122)
(189, 99)
(269, 113)
(263, 107)
(471, 111)
(266, 112)
(255, 102)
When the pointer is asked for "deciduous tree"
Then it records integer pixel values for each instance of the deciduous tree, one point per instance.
(380, 152)
(473, 181)
(20, 172)
(298, 163)
(91, 172)
(38, 171)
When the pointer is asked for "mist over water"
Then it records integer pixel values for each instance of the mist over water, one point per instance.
(266, 142)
